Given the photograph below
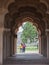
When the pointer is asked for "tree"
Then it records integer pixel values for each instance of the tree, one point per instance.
(29, 32)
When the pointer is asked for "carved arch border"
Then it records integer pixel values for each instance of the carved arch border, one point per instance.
(36, 10)
(17, 15)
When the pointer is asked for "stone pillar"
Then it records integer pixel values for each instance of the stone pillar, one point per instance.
(47, 33)
(12, 45)
(6, 44)
(47, 44)
(15, 45)
(43, 45)
(40, 44)
(1, 46)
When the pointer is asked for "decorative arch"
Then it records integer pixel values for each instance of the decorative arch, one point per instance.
(20, 11)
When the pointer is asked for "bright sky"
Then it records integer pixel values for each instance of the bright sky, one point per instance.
(20, 29)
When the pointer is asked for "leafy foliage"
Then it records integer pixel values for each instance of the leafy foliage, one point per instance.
(29, 32)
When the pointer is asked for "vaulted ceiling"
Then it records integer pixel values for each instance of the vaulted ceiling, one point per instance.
(4, 3)
(5, 6)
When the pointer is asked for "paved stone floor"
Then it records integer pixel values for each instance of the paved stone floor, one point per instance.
(27, 64)
(28, 56)
(27, 59)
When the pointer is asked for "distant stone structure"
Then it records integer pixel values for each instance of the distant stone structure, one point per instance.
(19, 41)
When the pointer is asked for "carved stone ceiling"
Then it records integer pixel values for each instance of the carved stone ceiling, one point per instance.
(3, 10)
(4, 6)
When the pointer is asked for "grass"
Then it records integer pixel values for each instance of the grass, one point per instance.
(28, 48)
(31, 48)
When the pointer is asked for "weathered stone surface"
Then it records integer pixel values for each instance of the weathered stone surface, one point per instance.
(19, 11)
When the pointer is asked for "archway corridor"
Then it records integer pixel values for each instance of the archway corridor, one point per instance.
(27, 41)
(10, 47)
(16, 57)
(19, 12)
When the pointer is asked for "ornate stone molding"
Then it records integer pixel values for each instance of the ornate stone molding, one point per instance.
(19, 10)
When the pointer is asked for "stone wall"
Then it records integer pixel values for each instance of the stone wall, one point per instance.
(1, 35)
(1, 46)
(6, 48)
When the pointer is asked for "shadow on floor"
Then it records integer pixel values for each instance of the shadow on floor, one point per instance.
(27, 59)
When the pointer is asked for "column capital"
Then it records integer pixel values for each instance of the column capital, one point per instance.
(4, 29)
(47, 30)
(1, 29)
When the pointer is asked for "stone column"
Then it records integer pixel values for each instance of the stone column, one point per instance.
(15, 46)
(39, 44)
(6, 44)
(12, 45)
(15, 43)
(47, 44)
(47, 33)
(43, 45)
(1, 46)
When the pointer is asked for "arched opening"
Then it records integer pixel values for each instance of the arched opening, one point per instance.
(13, 36)
(32, 48)
(27, 33)
(14, 19)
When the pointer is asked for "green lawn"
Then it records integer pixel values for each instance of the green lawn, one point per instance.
(29, 48)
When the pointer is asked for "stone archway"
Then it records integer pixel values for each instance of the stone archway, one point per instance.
(21, 19)
(31, 22)
(16, 16)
